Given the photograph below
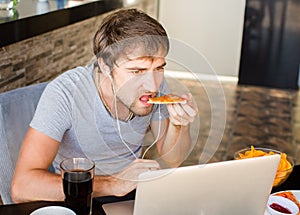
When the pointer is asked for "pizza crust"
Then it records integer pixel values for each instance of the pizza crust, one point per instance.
(167, 99)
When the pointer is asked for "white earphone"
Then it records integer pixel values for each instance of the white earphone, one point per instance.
(108, 74)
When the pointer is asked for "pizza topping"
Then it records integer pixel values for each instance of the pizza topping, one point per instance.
(167, 99)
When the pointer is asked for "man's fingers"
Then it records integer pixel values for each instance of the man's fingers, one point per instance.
(146, 164)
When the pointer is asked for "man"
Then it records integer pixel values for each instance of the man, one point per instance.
(101, 111)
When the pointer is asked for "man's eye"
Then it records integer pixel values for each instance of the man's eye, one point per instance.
(160, 69)
(137, 72)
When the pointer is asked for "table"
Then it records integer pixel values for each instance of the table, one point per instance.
(27, 20)
(292, 183)
(27, 208)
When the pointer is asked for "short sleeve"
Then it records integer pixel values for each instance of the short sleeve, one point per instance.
(53, 113)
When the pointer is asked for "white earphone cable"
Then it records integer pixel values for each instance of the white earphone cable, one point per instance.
(119, 127)
(158, 134)
(118, 122)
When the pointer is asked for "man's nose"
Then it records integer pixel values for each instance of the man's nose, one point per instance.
(152, 81)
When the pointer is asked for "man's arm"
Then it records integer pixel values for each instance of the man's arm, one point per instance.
(32, 181)
(125, 181)
(174, 143)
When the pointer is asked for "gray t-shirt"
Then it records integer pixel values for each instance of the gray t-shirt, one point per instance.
(71, 112)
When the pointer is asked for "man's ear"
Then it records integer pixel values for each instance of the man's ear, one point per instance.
(103, 67)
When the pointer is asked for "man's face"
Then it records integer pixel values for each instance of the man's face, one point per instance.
(136, 80)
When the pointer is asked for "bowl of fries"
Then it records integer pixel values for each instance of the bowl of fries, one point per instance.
(285, 166)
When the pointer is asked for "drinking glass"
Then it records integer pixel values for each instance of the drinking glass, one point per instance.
(77, 177)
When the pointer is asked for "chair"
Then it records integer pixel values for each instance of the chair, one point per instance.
(16, 111)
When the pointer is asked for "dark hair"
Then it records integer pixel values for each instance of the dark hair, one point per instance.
(126, 30)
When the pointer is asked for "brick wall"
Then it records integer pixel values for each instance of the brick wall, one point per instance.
(43, 57)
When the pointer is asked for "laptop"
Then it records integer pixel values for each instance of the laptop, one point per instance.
(232, 187)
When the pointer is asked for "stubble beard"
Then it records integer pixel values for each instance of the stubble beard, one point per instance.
(134, 108)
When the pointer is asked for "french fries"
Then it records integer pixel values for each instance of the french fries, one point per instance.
(284, 167)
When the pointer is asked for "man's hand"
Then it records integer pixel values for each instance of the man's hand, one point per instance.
(126, 180)
(183, 114)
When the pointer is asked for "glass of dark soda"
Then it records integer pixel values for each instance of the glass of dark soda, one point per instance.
(77, 176)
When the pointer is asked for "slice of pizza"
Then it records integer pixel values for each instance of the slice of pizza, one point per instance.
(167, 99)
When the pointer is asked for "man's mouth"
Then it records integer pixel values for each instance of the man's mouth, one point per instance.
(145, 98)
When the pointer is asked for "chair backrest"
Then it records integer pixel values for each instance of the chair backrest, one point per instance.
(17, 108)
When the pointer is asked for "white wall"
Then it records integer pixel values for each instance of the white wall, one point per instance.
(212, 27)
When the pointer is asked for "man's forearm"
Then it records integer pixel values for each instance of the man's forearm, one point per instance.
(114, 185)
(177, 145)
(38, 185)
(43, 185)
(103, 186)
